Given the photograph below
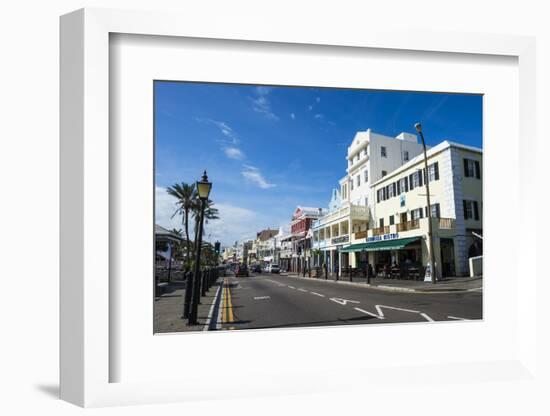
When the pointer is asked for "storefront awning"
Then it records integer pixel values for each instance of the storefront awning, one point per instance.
(396, 244)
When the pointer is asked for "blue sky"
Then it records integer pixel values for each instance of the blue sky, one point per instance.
(269, 149)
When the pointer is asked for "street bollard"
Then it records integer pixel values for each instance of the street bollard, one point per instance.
(188, 293)
(325, 269)
(350, 274)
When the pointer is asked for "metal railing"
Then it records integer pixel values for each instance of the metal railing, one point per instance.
(446, 223)
(381, 230)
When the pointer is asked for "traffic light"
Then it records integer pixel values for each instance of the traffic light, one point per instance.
(217, 247)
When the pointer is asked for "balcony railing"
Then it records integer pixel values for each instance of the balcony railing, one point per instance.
(446, 223)
(361, 234)
(408, 225)
(381, 230)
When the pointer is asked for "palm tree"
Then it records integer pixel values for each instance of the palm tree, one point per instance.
(186, 196)
(210, 213)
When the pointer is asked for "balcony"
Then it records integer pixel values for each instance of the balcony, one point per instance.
(361, 234)
(446, 223)
(381, 230)
(407, 226)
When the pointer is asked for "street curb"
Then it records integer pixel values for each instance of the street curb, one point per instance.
(384, 287)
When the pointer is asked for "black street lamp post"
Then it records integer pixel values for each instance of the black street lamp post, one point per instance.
(203, 188)
(418, 128)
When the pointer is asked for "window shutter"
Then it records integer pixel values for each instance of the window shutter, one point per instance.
(436, 170)
(378, 196)
(419, 173)
(394, 189)
(406, 184)
(411, 187)
(466, 168)
(420, 213)
(476, 212)
(398, 187)
(426, 212)
(437, 211)
(478, 172)
(465, 210)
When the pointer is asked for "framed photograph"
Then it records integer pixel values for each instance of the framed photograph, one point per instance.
(333, 201)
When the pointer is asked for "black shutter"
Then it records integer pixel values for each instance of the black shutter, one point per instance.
(411, 187)
(394, 189)
(436, 169)
(478, 172)
(476, 212)
(378, 196)
(406, 185)
(420, 213)
(466, 168)
(464, 208)
(419, 173)
(426, 212)
(398, 187)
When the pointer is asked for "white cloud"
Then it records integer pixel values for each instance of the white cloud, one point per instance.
(253, 175)
(235, 223)
(261, 103)
(224, 129)
(292, 116)
(309, 107)
(319, 116)
(318, 99)
(233, 153)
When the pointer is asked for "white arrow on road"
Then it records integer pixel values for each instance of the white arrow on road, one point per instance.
(343, 301)
(380, 314)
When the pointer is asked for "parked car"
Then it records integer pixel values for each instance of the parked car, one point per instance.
(221, 270)
(274, 268)
(242, 270)
(256, 268)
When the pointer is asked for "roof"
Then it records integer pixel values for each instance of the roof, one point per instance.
(266, 234)
(444, 145)
(163, 232)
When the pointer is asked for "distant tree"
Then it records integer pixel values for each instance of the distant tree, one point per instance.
(186, 197)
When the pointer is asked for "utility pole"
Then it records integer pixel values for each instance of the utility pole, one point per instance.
(418, 128)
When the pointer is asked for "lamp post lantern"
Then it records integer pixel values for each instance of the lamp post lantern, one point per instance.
(203, 189)
(418, 128)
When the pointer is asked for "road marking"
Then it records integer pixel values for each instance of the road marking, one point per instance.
(369, 313)
(476, 289)
(302, 290)
(317, 294)
(343, 301)
(291, 287)
(381, 315)
(426, 317)
(210, 313)
(457, 318)
(261, 297)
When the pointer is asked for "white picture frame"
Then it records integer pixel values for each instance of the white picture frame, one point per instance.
(85, 352)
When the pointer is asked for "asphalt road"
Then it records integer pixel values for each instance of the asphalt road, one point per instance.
(278, 301)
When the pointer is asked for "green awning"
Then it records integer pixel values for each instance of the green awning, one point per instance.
(395, 244)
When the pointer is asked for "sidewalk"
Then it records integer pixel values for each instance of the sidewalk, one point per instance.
(451, 284)
(168, 309)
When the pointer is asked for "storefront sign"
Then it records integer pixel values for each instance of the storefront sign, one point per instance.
(338, 240)
(391, 236)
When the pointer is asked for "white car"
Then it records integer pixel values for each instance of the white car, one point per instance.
(274, 268)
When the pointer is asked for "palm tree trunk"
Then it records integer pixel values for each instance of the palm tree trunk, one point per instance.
(186, 225)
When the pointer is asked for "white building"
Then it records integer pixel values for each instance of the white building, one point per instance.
(398, 229)
(369, 158)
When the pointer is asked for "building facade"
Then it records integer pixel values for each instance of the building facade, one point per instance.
(370, 157)
(301, 239)
(398, 230)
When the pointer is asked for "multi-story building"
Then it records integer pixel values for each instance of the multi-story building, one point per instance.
(262, 249)
(370, 157)
(398, 230)
(300, 238)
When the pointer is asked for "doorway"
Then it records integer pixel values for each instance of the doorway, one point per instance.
(447, 257)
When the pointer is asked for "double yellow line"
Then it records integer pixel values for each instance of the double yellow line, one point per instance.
(227, 305)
